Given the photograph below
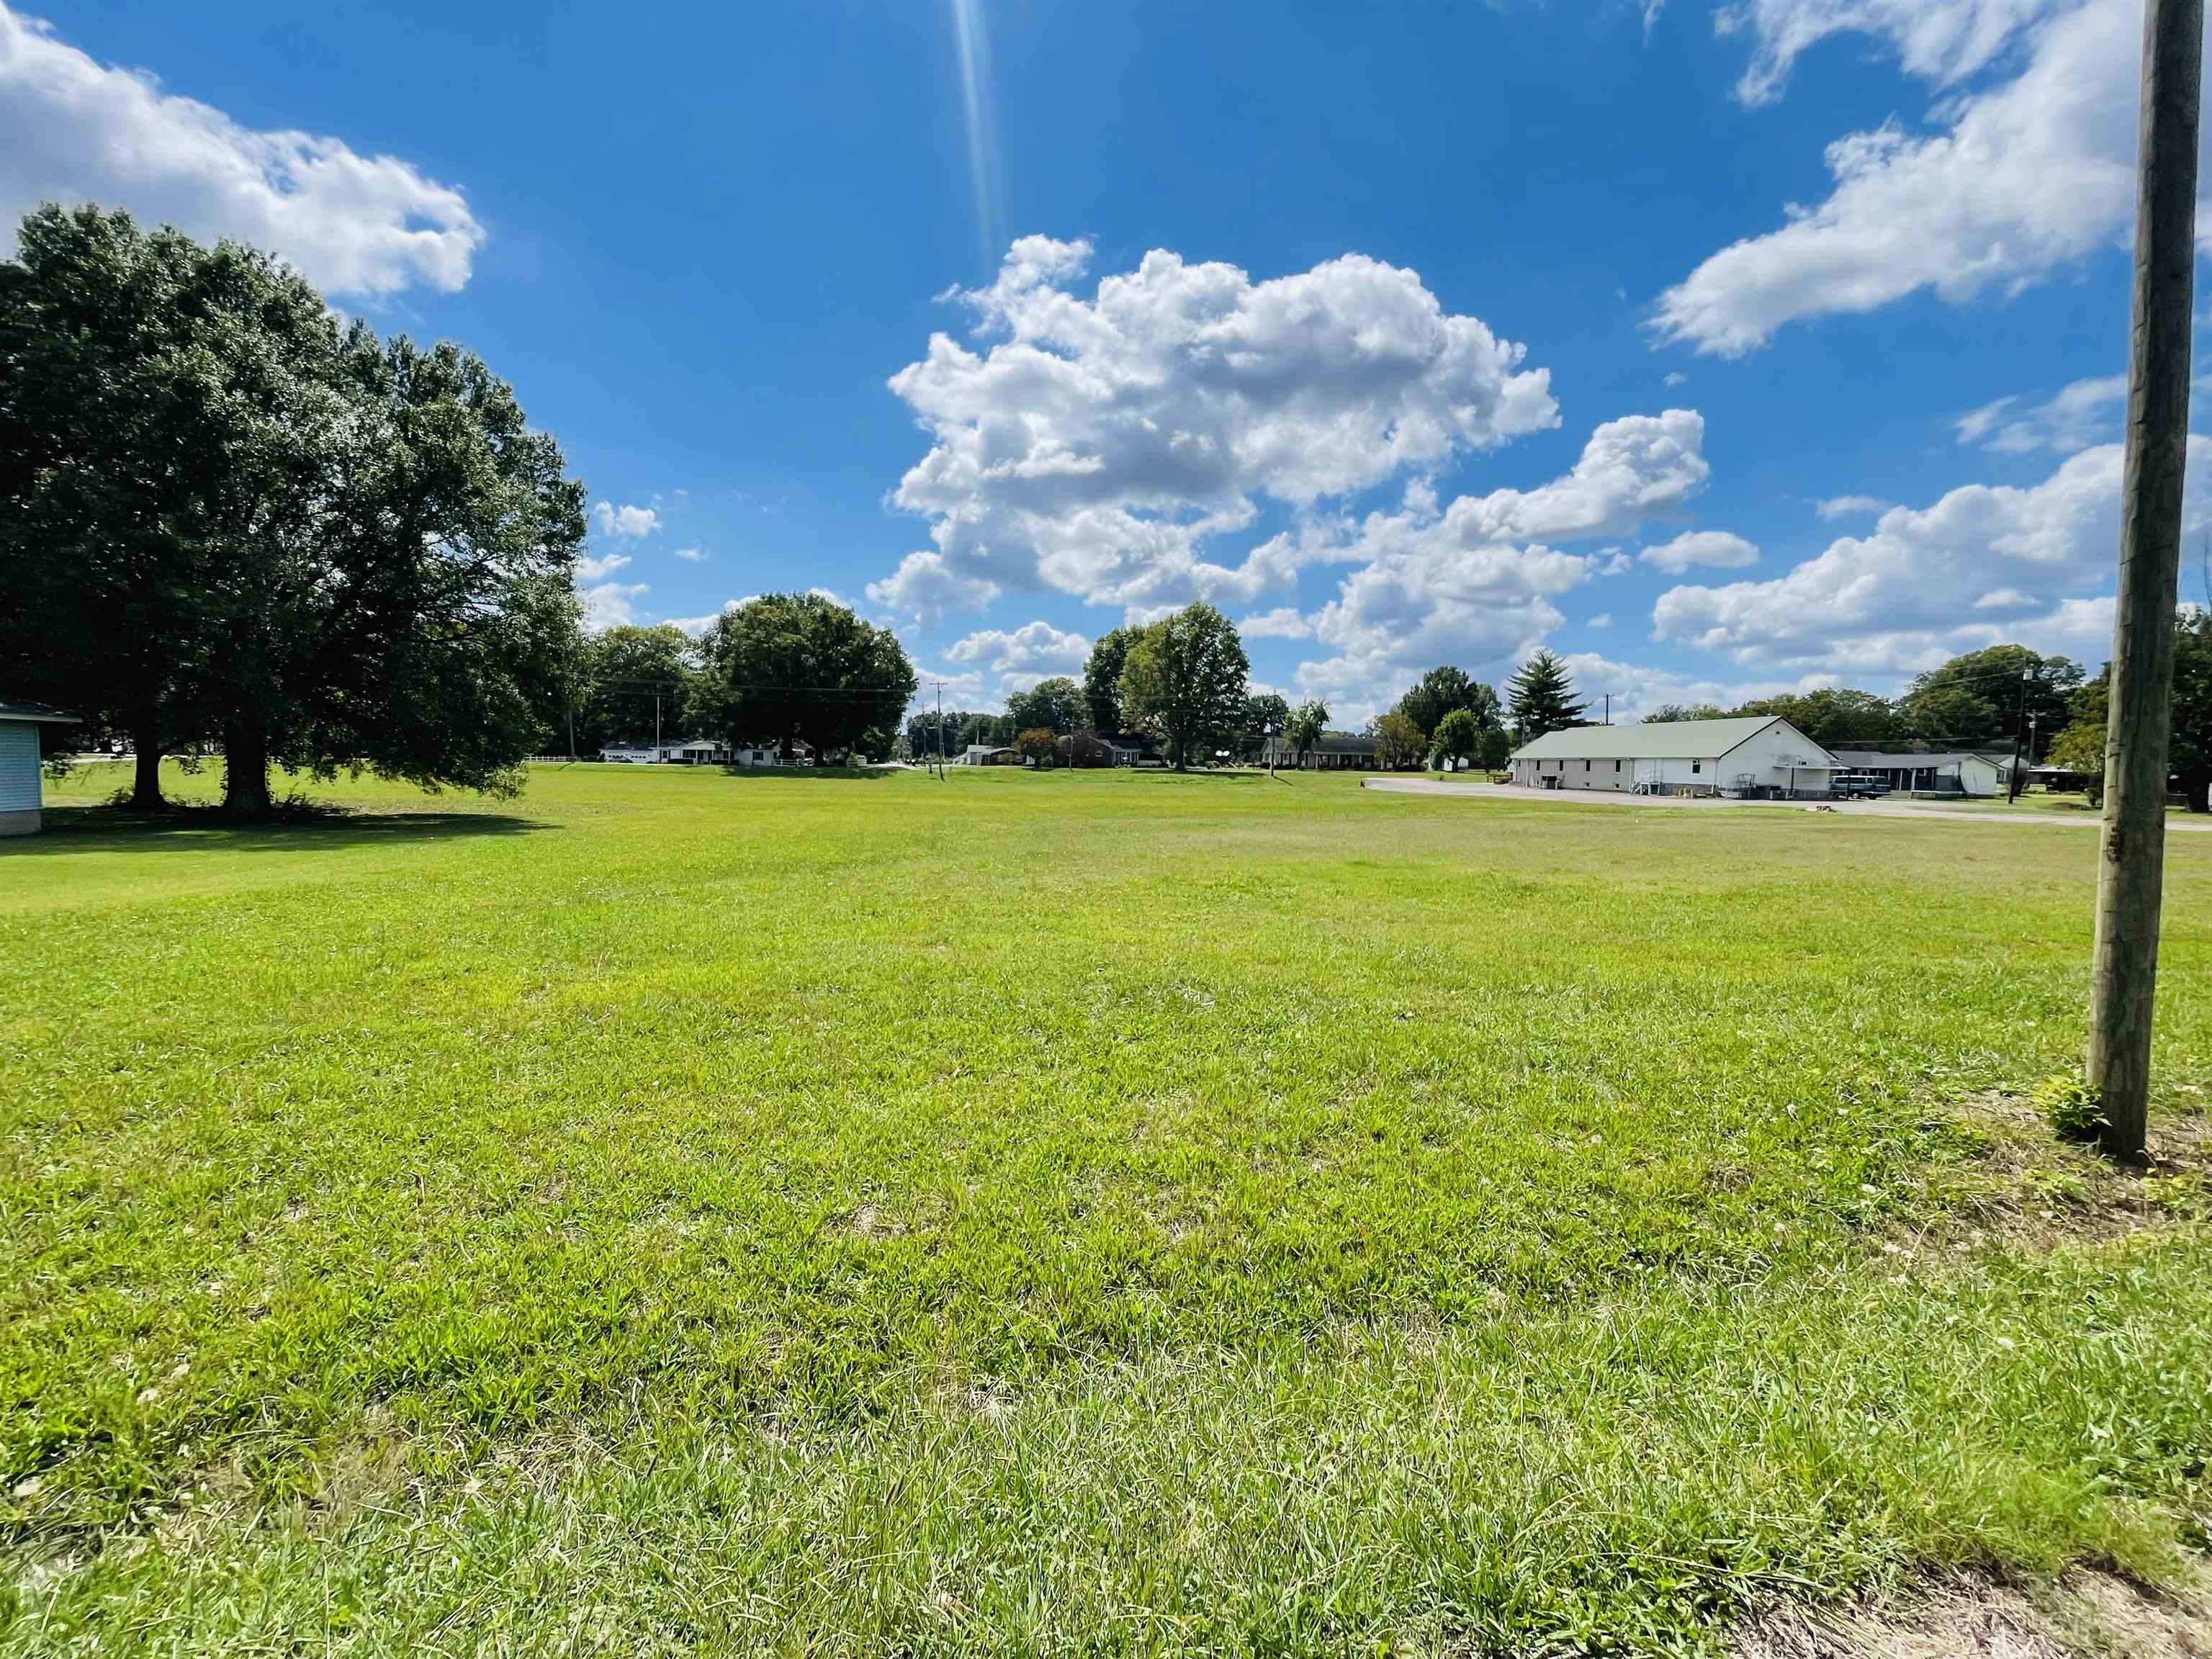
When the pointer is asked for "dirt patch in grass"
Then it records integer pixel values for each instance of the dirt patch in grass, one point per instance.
(2023, 1185)
(2084, 1615)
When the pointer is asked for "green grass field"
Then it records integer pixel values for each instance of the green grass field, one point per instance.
(1068, 1214)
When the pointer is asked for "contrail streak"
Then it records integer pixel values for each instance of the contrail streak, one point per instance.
(976, 99)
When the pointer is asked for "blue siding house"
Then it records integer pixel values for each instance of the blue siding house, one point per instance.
(19, 763)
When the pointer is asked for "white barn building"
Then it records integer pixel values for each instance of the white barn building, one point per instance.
(1747, 754)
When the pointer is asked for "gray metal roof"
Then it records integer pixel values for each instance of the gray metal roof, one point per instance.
(1650, 740)
(44, 713)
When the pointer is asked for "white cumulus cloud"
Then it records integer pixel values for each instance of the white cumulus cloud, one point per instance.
(1638, 689)
(1284, 623)
(1637, 467)
(1984, 563)
(630, 522)
(1853, 507)
(1035, 649)
(2080, 414)
(1474, 583)
(925, 587)
(1098, 445)
(1716, 548)
(2004, 184)
(593, 569)
(74, 130)
(612, 604)
(1937, 40)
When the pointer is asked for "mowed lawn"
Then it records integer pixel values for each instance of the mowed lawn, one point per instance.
(678, 1211)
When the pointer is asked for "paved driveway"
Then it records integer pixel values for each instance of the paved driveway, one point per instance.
(1857, 809)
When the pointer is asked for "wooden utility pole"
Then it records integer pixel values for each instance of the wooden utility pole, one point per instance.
(2131, 873)
(2019, 732)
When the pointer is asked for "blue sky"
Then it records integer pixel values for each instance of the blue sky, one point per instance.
(1722, 351)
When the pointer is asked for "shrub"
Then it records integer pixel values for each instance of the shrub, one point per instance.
(2073, 1106)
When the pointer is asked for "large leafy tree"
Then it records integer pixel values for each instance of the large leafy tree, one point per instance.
(1398, 742)
(1102, 679)
(134, 414)
(454, 531)
(220, 516)
(1458, 735)
(1441, 690)
(926, 732)
(1833, 714)
(1038, 744)
(1541, 698)
(789, 668)
(1057, 705)
(2079, 746)
(1668, 713)
(625, 669)
(1185, 677)
(1980, 698)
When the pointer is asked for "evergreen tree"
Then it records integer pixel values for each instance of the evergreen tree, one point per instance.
(1541, 698)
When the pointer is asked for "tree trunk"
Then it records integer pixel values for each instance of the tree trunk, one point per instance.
(246, 771)
(146, 750)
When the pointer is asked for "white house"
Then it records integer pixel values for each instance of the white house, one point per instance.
(697, 751)
(1748, 755)
(20, 813)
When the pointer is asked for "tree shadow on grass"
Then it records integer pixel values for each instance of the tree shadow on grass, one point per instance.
(120, 830)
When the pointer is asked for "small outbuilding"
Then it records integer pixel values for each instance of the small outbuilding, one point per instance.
(1950, 772)
(1750, 754)
(20, 811)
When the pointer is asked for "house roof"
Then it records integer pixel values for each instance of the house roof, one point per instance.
(45, 714)
(1344, 743)
(1650, 740)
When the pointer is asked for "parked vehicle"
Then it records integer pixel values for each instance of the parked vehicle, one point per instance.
(1857, 786)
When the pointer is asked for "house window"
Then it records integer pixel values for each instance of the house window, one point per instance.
(1585, 766)
(1697, 765)
(1616, 766)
